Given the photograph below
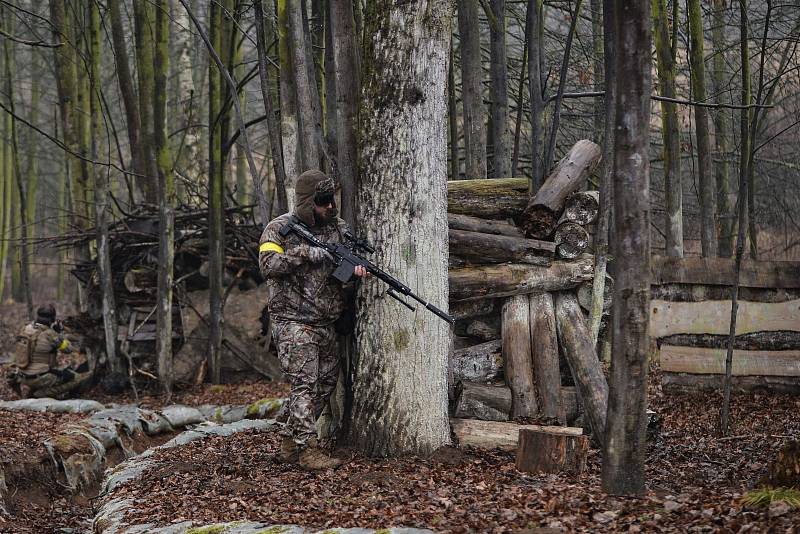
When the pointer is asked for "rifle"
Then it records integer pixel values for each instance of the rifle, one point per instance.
(347, 257)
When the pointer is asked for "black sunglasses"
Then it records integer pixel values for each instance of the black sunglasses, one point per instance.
(324, 199)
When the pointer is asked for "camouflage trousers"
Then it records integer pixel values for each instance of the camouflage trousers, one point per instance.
(309, 358)
(45, 385)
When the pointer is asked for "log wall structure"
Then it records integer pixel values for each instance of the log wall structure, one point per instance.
(690, 318)
(509, 350)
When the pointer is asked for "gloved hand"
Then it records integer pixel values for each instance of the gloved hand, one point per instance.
(318, 255)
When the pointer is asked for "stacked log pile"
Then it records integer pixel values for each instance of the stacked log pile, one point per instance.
(690, 321)
(517, 266)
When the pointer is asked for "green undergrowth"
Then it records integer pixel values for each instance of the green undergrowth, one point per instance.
(766, 496)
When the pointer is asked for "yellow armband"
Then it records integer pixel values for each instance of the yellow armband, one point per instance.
(269, 246)
(64, 344)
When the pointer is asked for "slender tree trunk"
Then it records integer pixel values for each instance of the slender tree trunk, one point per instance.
(520, 106)
(452, 117)
(290, 129)
(400, 387)
(239, 69)
(673, 192)
(746, 140)
(472, 90)
(166, 195)
(143, 36)
(302, 69)
(562, 84)
(722, 131)
(501, 135)
(32, 166)
(598, 121)
(708, 226)
(273, 124)
(606, 189)
(533, 32)
(216, 185)
(347, 90)
(66, 60)
(125, 80)
(5, 201)
(100, 184)
(624, 446)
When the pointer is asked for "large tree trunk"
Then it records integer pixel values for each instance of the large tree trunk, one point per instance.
(306, 89)
(501, 135)
(624, 445)
(472, 89)
(347, 90)
(673, 193)
(472, 283)
(398, 409)
(543, 210)
(708, 227)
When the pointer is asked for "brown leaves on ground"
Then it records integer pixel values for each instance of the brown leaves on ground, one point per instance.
(695, 478)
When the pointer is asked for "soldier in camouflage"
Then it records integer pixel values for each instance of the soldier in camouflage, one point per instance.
(35, 372)
(304, 301)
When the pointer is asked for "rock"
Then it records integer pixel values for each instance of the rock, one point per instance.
(778, 508)
(605, 517)
(672, 506)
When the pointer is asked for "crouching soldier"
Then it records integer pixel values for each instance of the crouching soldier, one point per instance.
(35, 367)
(304, 301)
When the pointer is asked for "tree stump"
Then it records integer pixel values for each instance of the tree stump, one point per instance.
(540, 451)
(785, 469)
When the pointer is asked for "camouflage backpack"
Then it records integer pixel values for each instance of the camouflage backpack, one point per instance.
(26, 344)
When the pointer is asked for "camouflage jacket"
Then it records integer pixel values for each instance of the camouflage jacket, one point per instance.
(48, 343)
(297, 289)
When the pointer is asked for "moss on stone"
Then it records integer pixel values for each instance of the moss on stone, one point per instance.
(270, 404)
(211, 529)
(273, 530)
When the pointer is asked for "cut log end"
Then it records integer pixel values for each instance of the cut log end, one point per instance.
(546, 452)
(538, 222)
(571, 240)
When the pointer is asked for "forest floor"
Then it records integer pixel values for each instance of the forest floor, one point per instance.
(695, 480)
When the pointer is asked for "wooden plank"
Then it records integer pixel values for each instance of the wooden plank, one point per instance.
(699, 293)
(745, 362)
(740, 384)
(713, 317)
(720, 271)
(496, 434)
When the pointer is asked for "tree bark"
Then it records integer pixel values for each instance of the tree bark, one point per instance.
(578, 349)
(543, 210)
(481, 401)
(722, 131)
(534, 30)
(477, 247)
(347, 91)
(166, 195)
(544, 351)
(403, 169)
(498, 72)
(624, 445)
(273, 125)
(478, 363)
(485, 226)
(545, 452)
(517, 362)
(290, 130)
(673, 192)
(491, 281)
(472, 90)
(498, 434)
(487, 199)
(144, 21)
(769, 340)
(452, 118)
(708, 209)
(306, 110)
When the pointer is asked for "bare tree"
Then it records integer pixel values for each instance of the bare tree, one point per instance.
(472, 89)
(498, 72)
(624, 446)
